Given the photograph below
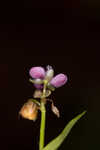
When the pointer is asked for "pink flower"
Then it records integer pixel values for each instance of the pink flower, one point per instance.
(38, 75)
(37, 72)
(59, 80)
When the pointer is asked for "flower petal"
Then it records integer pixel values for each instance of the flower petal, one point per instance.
(59, 80)
(37, 72)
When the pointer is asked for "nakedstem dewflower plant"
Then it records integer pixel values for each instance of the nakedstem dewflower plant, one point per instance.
(45, 83)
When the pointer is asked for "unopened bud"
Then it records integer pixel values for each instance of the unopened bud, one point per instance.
(37, 72)
(49, 74)
(59, 80)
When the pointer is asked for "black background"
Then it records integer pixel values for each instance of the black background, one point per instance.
(65, 35)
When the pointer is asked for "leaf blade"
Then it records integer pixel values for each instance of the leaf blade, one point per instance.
(55, 143)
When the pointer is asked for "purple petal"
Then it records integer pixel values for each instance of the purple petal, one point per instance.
(59, 80)
(38, 86)
(37, 72)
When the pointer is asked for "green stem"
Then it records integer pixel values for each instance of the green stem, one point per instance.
(42, 127)
(43, 119)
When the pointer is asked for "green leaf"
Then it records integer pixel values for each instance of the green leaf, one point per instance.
(55, 143)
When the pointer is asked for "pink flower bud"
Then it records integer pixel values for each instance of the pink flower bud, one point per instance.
(37, 72)
(59, 80)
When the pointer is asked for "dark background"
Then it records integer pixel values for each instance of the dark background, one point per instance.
(65, 35)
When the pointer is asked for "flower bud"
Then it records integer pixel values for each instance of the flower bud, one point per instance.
(37, 72)
(49, 74)
(59, 80)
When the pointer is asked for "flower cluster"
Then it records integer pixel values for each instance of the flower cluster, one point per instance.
(45, 82)
(39, 75)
